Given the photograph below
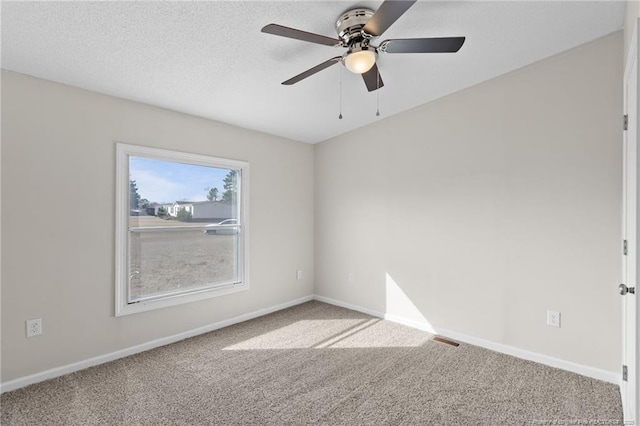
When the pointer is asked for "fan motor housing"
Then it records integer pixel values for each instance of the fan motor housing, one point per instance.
(349, 25)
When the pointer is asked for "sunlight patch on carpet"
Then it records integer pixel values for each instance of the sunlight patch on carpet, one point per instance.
(335, 333)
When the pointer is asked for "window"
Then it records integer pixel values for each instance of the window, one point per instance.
(181, 228)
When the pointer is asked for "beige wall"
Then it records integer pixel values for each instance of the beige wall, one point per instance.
(58, 165)
(481, 210)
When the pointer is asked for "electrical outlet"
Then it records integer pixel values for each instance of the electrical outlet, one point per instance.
(553, 319)
(299, 274)
(350, 277)
(34, 327)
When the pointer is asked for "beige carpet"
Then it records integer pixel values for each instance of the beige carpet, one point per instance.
(315, 364)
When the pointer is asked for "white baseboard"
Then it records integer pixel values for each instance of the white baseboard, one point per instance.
(562, 364)
(101, 359)
(348, 306)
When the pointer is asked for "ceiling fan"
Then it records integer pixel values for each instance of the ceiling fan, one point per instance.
(357, 30)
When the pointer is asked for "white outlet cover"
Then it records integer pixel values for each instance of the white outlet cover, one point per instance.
(34, 327)
(553, 318)
(299, 274)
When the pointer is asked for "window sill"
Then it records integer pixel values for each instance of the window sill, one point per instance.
(123, 308)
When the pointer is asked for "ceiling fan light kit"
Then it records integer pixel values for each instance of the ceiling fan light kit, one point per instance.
(357, 30)
(360, 58)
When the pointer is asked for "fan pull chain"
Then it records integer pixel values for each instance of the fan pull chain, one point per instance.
(378, 93)
(340, 116)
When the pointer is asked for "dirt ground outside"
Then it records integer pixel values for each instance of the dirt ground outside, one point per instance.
(169, 260)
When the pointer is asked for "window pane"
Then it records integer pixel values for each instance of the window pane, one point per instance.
(180, 193)
(184, 227)
(167, 261)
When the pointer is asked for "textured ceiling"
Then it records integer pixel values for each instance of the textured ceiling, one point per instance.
(210, 59)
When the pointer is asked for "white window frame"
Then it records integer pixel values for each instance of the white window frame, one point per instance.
(123, 152)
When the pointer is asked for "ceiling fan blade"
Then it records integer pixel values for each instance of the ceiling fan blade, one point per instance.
(422, 45)
(280, 30)
(311, 71)
(386, 15)
(372, 79)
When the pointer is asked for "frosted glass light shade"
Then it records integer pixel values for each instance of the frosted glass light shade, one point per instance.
(360, 62)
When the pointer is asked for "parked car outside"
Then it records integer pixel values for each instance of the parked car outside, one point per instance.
(228, 226)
